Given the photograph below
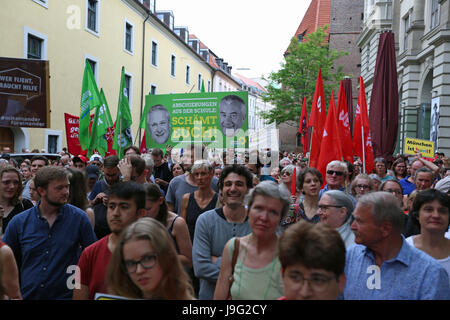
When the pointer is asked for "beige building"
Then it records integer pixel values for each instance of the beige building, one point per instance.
(111, 34)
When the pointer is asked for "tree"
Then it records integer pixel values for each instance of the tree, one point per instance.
(298, 75)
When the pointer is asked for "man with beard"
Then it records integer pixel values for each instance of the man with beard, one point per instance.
(126, 204)
(215, 227)
(47, 238)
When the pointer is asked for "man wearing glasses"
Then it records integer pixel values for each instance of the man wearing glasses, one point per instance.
(335, 210)
(126, 204)
(313, 253)
(335, 177)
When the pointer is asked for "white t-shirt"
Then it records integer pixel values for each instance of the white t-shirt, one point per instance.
(443, 262)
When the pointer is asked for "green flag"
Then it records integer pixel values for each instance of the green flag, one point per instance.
(90, 98)
(203, 86)
(122, 130)
(102, 121)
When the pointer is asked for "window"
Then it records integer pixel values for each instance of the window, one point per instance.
(209, 86)
(434, 13)
(154, 53)
(92, 16)
(34, 47)
(150, 4)
(188, 74)
(405, 34)
(52, 140)
(128, 85)
(93, 66)
(34, 44)
(43, 3)
(173, 61)
(199, 82)
(52, 144)
(152, 89)
(129, 36)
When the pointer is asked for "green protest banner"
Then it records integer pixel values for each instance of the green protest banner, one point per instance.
(217, 119)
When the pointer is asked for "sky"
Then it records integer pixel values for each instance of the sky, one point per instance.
(250, 34)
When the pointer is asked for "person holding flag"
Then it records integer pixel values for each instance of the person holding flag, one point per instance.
(90, 98)
(122, 129)
(303, 128)
(362, 142)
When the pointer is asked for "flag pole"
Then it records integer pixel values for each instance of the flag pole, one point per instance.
(119, 136)
(363, 152)
(310, 142)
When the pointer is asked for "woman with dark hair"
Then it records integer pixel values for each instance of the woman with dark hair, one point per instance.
(11, 202)
(431, 214)
(309, 182)
(177, 169)
(399, 168)
(156, 207)
(77, 193)
(145, 265)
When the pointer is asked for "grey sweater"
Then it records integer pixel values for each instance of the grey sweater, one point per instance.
(212, 232)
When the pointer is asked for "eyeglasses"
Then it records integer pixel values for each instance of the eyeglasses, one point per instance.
(338, 173)
(362, 186)
(396, 191)
(317, 283)
(287, 173)
(147, 262)
(327, 206)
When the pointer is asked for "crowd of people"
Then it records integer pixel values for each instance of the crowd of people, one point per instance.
(241, 227)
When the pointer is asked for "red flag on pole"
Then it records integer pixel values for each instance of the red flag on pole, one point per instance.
(344, 125)
(294, 178)
(317, 121)
(143, 147)
(330, 148)
(362, 131)
(303, 128)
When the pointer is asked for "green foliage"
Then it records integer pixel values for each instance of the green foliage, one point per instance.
(298, 75)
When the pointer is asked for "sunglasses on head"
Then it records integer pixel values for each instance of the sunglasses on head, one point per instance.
(338, 173)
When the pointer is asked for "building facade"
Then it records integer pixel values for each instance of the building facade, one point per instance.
(110, 34)
(423, 64)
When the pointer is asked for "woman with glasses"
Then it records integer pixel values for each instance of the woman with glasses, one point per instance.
(286, 176)
(11, 202)
(431, 214)
(156, 207)
(381, 169)
(313, 253)
(257, 270)
(399, 169)
(145, 265)
(335, 210)
(361, 185)
(394, 187)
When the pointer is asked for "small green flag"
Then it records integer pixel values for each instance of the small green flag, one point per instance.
(90, 98)
(102, 121)
(203, 86)
(122, 130)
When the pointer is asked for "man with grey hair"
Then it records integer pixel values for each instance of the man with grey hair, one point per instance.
(232, 111)
(158, 123)
(423, 179)
(335, 209)
(382, 266)
(336, 176)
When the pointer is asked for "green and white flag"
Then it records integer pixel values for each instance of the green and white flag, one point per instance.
(122, 130)
(90, 98)
(102, 121)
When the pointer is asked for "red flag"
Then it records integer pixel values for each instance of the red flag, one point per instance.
(330, 148)
(362, 128)
(143, 147)
(110, 140)
(303, 128)
(344, 125)
(317, 121)
(294, 177)
(72, 124)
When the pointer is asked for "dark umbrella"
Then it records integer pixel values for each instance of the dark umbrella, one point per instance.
(349, 98)
(383, 114)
